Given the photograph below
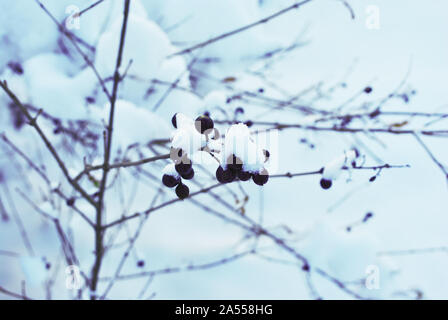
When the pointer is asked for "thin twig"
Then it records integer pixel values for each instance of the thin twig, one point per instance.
(207, 189)
(33, 122)
(124, 164)
(191, 267)
(70, 36)
(13, 294)
(89, 7)
(432, 156)
(108, 149)
(241, 29)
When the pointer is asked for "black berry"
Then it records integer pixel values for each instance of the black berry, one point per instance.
(140, 263)
(244, 175)
(188, 175)
(90, 100)
(368, 90)
(261, 177)
(228, 175)
(182, 191)
(183, 167)
(225, 176)
(203, 123)
(170, 181)
(249, 123)
(174, 121)
(325, 184)
(70, 202)
(219, 174)
(266, 155)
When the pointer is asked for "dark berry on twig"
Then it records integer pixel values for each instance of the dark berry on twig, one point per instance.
(90, 100)
(140, 263)
(368, 90)
(203, 123)
(261, 177)
(182, 191)
(228, 175)
(325, 183)
(188, 175)
(70, 201)
(244, 175)
(170, 181)
(174, 121)
(183, 167)
(225, 176)
(267, 154)
(219, 174)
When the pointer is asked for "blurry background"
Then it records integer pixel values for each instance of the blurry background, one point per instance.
(317, 54)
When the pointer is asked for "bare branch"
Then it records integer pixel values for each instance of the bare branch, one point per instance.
(13, 294)
(125, 164)
(93, 5)
(48, 144)
(98, 228)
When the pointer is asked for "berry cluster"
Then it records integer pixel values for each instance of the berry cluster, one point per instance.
(182, 166)
(234, 169)
(242, 158)
(173, 175)
(201, 135)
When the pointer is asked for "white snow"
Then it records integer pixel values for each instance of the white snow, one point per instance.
(169, 169)
(333, 169)
(186, 137)
(146, 45)
(135, 125)
(58, 93)
(238, 142)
